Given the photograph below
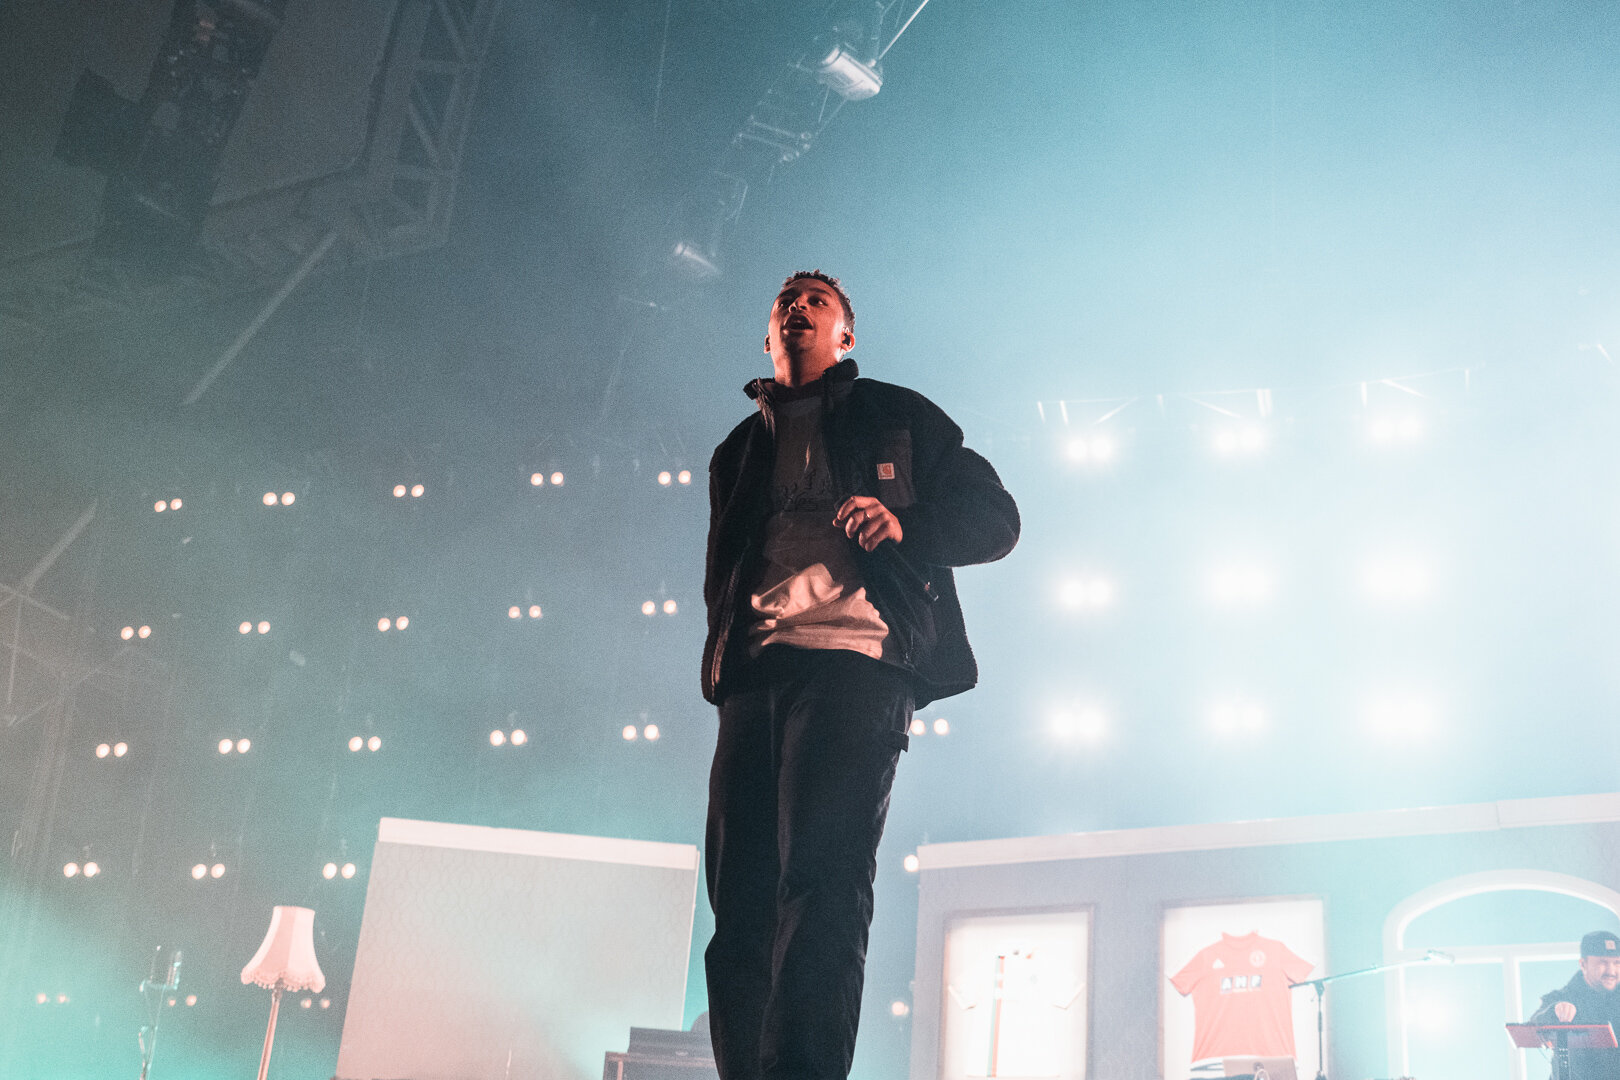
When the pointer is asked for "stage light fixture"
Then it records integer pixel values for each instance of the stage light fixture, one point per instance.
(630, 733)
(650, 732)
(537, 479)
(264, 627)
(497, 738)
(92, 869)
(217, 870)
(684, 476)
(374, 743)
(1240, 586)
(127, 632)
(144, 632)
(534, 611)
(402, 623)
(243, 745)
(329, 871)
(911, 864)
(356, 743)
(269, 498)
(918, 727)
(417, 490)
(513, 612)
(288, 498)
(347, 871)
(847, 75)
(649, 608)
(942, 726)
(326, 1003)
(1237, 718)
(70, 870)
(519, 736)
(383, 624)
(245, 628)
(556, 479)
(226, 746)
(175, 504)
(306, 1003)
(120, 749)
(670, 607)
(103, 750)
(199, 871)
(191, 999)
(664, 478)
(399, 491)
(900, 1009)
(1085, 724)
(1240, 441)
(1086, 594)
(160, 506)
(42, 999)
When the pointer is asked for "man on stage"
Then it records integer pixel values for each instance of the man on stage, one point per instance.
(1589, 998)
(836, 512)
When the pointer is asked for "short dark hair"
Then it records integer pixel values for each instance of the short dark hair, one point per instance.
(832, 283)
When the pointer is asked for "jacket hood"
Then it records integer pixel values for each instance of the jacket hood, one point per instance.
(845, 371)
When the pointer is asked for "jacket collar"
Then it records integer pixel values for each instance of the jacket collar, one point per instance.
(835, 381)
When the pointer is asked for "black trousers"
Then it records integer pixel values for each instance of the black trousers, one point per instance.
(797, 798)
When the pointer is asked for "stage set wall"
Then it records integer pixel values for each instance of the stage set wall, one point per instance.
(1362, 866)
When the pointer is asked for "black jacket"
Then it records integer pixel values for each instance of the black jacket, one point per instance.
(951, 506)
(1592, 1006)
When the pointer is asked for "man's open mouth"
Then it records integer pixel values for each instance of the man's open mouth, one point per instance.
(797, 322)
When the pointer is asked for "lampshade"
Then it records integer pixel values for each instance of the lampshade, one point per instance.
(287, 957)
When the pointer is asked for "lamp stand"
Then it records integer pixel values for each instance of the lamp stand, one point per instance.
(270, 1032)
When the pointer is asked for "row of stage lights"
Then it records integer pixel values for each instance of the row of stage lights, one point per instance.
(1387, 582)
(1246, 440)
(666, 478)
(204, 871)
(1399, 716)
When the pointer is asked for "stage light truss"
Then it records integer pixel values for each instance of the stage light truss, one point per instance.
(801, 100)
(395, 200)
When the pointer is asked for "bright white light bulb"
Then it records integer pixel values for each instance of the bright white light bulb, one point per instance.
(243, 745)
(911, 864)
(269, 498)
(664, 478)
(649, 608)
(684, 476)
(160, 506)
(217, 870)
(103, 750)
(399, 491)
(374, 743)
(264, 627)
(144, 632)
(91, 869)
(226, 746)
(534, 611)
(348, 870)
(356, 743)
(402, 622)
(630, 733)
(120, 749)
(199, 871)
(497, 738)
(942, 726)
(513, 612)
(175, 504)
(556, 479)
(127, 632)
(417, 490)
(70, 870)
(900, 1008)
(384, 625)
(537, 479)
(288, 498)
(245, 628)
(519, 737)
(918, 727)
(669, 607)
(650, 732)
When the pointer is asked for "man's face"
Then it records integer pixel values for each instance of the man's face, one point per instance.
(1602, 972)
(807, 322)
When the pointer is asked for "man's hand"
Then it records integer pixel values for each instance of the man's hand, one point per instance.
(867, 521)
(1565, 1011)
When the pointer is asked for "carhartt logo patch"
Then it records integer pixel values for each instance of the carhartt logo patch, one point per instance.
(885, 470)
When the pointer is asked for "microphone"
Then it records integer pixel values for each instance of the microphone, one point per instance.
(172, 982)
(1438, 957)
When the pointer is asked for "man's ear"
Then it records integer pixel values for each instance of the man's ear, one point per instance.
(767, 344)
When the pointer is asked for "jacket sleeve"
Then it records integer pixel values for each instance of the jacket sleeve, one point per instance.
(1544, 1015)
(962, 515)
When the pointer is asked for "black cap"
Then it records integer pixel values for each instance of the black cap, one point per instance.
(1600, 943)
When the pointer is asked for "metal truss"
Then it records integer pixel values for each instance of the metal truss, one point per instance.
(396, 200)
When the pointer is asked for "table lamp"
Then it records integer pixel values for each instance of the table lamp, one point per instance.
(286, 961)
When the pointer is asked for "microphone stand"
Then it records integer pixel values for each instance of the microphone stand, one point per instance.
(1318, 985)
(171, 981)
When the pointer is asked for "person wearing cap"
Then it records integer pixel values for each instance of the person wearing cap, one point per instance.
(1589, 997)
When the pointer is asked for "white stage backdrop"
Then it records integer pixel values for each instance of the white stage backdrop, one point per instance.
(502, 954)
